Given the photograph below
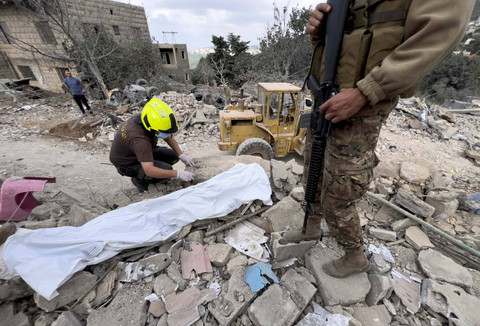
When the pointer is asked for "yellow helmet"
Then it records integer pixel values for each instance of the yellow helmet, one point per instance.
(158, 116)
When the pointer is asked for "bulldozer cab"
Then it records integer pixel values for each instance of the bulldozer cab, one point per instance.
(271, 128)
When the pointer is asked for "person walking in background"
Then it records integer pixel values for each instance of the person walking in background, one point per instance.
(74, 85)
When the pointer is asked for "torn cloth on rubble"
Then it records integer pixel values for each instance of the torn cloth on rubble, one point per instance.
(47, 258)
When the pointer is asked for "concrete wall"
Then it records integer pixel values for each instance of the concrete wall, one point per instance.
(131, 21)
(178, 67)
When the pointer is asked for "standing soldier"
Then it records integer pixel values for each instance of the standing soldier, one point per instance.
(388, 46)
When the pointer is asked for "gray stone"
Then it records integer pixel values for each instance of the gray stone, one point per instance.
(461, 308)
(449, 132)
(131, 272)
(323, 317)
(387, 215)
(14, 289)
(417, 238)
(81, 214)
(173, 271)
(410, 202)
(296, 168)
(219, 254)
(403, 224)
(7, 310)
(68, 318)
(279, 173)
(414, 173)
(19, 319)
(127, 308)
(343, 291)
(443, 268)
(382, 287)
(68, 292)
(299, 288)
(286, 214)
(444, 202)
(196, 236)
(45, 211)
(274, 307)
(372, 316)
(45, 319)
(119, 199)
(236, 262)
(386, 170)
(164, 285)
(235, 297)
(383, 234)
(282, 252)
(298, 194)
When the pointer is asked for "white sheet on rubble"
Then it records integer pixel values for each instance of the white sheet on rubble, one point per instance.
(47, 258)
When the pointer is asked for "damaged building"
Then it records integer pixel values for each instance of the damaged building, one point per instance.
(175, 61)
(25, 34)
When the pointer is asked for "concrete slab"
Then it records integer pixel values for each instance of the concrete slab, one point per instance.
(372, 316)
(132, 272)
(407, 290)
(344, 291)
(417, 238)
(282, 252)
(286, 214)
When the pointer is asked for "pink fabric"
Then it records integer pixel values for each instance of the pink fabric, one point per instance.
(13, 191)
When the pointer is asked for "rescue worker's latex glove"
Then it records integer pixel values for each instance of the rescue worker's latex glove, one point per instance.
(187, 160)
(185, 175)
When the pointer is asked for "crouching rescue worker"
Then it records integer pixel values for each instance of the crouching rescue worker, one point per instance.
(135, 152)
(387, 47)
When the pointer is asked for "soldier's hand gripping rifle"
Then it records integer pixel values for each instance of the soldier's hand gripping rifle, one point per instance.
(335, 24)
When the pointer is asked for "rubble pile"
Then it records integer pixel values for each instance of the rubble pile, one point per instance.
(233, 270)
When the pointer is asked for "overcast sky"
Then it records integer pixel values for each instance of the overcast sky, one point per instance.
(195, 21)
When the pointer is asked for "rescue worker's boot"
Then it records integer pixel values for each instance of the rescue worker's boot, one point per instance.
(354, 261)
(7, 230)
(313, 232)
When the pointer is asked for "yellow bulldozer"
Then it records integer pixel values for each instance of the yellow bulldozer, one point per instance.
(271, 128)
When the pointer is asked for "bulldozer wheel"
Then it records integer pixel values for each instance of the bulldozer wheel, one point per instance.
(256, 147)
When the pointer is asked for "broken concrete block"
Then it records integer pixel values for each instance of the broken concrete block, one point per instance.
(157, 308)
(286, 214)
(279, 173)
(219, 254)
(387, 215)
(410, 202)
(444, 202)
(383, 234)
(81, 213)
(403, 224)
(296, 168)
(248, 238)
(382, 287)
(273, 307)
(417, 238)
(233, 300)
(236, 262)
(68, 292)
(407, 290)
(19, 319)
(127, 308)
(299, 288)
(104, 289)
(131, 272)
(372, 316)
(196, 236)
(45, 211)
(164, 285)
(443, 268)
(196, 259)
(69, 318)
(173, 271)
(461, 308)
(282, 252)
(13, 289)
(182, 307)
(34, 225)
(7, 310)
(298, 194)
(414, 173)
(321, 316)
(333, 291)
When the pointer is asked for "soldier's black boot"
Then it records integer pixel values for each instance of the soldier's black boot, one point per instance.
(354, 261)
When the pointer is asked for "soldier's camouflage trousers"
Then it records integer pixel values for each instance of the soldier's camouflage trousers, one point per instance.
(348, 170)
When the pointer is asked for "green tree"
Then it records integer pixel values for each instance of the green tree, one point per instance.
(285, 48)
(454, 78)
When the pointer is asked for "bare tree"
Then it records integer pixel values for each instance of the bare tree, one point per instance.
(84, 44)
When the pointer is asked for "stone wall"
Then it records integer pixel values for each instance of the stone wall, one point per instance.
(130, 22)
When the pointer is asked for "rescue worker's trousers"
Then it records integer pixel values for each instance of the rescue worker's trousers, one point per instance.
(347, 173)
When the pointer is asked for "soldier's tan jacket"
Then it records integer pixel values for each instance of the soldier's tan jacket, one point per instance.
(390, 46)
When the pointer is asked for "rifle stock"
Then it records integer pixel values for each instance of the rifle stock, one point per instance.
(335, 23)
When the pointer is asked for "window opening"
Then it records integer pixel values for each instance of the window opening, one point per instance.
(273, 106)
(26, 72)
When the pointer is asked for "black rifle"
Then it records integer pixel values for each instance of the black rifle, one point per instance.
(335, 23)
